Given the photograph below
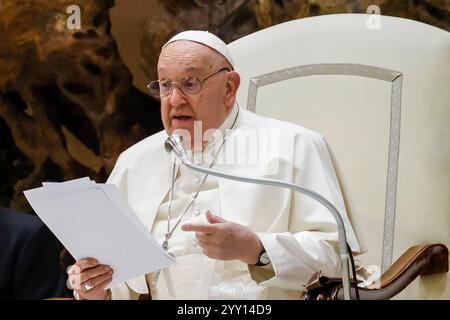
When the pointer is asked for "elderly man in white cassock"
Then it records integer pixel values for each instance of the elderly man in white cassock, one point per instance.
(231, 240)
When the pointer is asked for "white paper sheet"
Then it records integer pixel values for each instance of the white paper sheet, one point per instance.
(93, 220)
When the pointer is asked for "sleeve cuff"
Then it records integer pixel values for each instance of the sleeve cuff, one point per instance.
(261, 274)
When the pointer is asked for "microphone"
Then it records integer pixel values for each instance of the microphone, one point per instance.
(173, 144)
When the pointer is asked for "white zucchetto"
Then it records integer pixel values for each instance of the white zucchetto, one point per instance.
(206, 38)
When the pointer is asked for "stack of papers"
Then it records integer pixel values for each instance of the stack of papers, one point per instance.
(93, 221)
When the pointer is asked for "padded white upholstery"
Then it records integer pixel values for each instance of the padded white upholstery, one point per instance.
(392, 157)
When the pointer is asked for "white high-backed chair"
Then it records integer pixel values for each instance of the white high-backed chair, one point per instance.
(378, 89)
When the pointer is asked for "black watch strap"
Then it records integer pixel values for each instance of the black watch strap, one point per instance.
(263, 259)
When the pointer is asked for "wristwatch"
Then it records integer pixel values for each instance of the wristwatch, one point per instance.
(264, 259)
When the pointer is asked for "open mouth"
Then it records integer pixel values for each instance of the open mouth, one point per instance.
(182, 118)
(182, 121)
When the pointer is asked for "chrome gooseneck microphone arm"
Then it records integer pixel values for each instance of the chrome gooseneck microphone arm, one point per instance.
(173, 144)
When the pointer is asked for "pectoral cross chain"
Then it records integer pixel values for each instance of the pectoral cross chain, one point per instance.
(165, 246)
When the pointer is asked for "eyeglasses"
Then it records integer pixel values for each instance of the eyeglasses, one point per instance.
(189, 85)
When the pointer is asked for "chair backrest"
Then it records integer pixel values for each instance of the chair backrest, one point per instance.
(381, 98)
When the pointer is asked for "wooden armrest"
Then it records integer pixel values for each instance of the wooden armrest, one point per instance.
(416, 261)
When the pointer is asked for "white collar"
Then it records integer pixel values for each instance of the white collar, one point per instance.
(226, 125)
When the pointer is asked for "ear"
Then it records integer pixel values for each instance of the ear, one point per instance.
(233, 82)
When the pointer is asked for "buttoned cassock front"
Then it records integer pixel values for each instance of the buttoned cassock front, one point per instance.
(298, 233)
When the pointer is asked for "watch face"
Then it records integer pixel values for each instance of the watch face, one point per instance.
(264, 258)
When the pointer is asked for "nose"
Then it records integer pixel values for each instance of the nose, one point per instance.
(176, 97)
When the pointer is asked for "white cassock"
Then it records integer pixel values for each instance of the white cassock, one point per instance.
(298, 233)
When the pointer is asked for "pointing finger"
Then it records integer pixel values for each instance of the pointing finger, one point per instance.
(198, 227)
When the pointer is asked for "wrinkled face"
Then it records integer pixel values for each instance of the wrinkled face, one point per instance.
(181, 59)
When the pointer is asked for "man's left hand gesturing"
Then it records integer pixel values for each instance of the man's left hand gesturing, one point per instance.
(224, 240)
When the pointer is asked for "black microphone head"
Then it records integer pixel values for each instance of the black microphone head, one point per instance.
(173, 144)
(168, 146)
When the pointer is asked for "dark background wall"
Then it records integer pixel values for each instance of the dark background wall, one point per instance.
(72, 100)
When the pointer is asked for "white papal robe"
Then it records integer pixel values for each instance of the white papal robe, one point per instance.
(298, 233)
